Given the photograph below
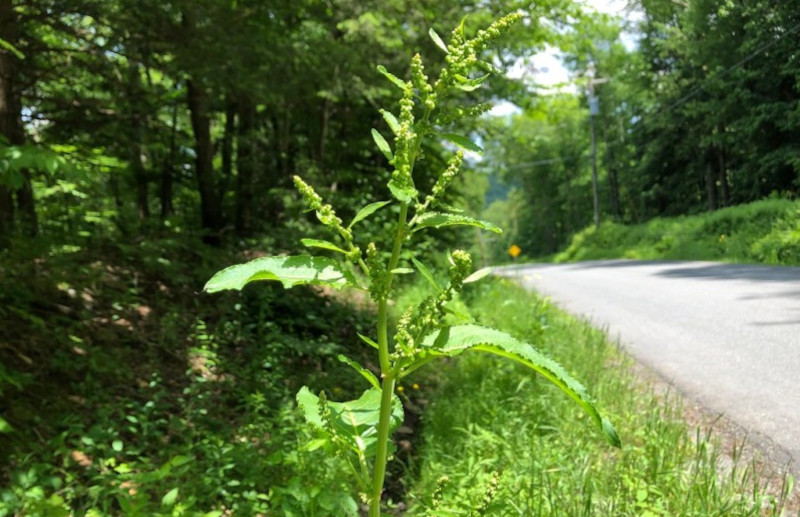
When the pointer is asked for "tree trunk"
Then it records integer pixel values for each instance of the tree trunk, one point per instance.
(711, 188)
(136, 149)
(167, 208)
(210, 201)
(724, 188)
(11, 127)
(245, 164)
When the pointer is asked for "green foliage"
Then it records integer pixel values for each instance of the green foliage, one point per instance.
(361, 429)
(762, 232)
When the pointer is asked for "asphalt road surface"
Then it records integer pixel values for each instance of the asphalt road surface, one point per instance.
(727, 336)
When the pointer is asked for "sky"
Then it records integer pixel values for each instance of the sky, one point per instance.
(547, 67)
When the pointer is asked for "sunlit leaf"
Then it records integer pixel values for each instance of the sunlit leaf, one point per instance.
(462, 142)
(368, 211)
(170, 497)
(361, 370)
(454, 340)
(438, 40)
(402, 271)
(426, 273)
(382, 144)
(438, 219)
(369, 341)
(290, 271)
(391, 120)
(325, 245)
(402, 194)
(477, 275)
(396, 80)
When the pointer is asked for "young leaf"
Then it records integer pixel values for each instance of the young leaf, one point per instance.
(426, 273)
(355, 421)
(325, 245)
(438, 219)
(368, 211)
(477, 275)
(402, 194)
(360, 369)
(391, 121)
(438, 40)
(290, 271)
(370, 342)
(396, 80)
(462, 142)
(383, 145)
(402, 271)
(466, 84)
(454, 340)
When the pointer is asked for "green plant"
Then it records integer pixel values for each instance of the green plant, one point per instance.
(361, 429)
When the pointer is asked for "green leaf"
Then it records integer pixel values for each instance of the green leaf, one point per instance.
(5, 427)
(370, 342)
(289, 271)
(438, 40)
(316, 243)
(468, 85)
(383, 145)
(462, 142)
(355, 421)
(426, 273)
(396, 80)
(402, 271)
(479, 274)
(391, 120)
(170, 498)
(117, 445)
(438, 219)
(368, 211)
(402, 194)
(454, 340)
(11, 48)
(360, 369)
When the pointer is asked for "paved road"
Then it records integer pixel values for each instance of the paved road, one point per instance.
(727, 336)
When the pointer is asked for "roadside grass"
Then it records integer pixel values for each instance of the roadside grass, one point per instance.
(764, 232)
(527, 449)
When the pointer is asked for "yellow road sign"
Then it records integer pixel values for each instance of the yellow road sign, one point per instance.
(514, 251)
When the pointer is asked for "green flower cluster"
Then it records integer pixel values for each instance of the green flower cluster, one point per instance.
(413, 327)
(380, 280)
(444, 180)
(463, 53)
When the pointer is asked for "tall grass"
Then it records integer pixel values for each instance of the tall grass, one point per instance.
(762, 232)
(543, 460)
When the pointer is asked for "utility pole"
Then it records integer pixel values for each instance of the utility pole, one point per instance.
(594, 110)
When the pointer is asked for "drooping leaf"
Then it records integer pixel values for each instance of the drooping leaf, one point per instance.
(361, 370)
(382, 144)
(438, 219)
(462, 142)
(356, 421)
(477, 275)
(396, 80)
(369, 341)
(290, 271)
(454, 340)
(426, 273)
(325, 245)
(368, 211)
(438, 40)
(391, 121)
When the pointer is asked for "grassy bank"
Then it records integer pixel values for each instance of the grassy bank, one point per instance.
(492, 424)
(766, 232)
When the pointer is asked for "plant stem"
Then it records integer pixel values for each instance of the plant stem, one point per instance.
(382, 456)
(387, 385)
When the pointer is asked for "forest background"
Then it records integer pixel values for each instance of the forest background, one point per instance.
(144, 144)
